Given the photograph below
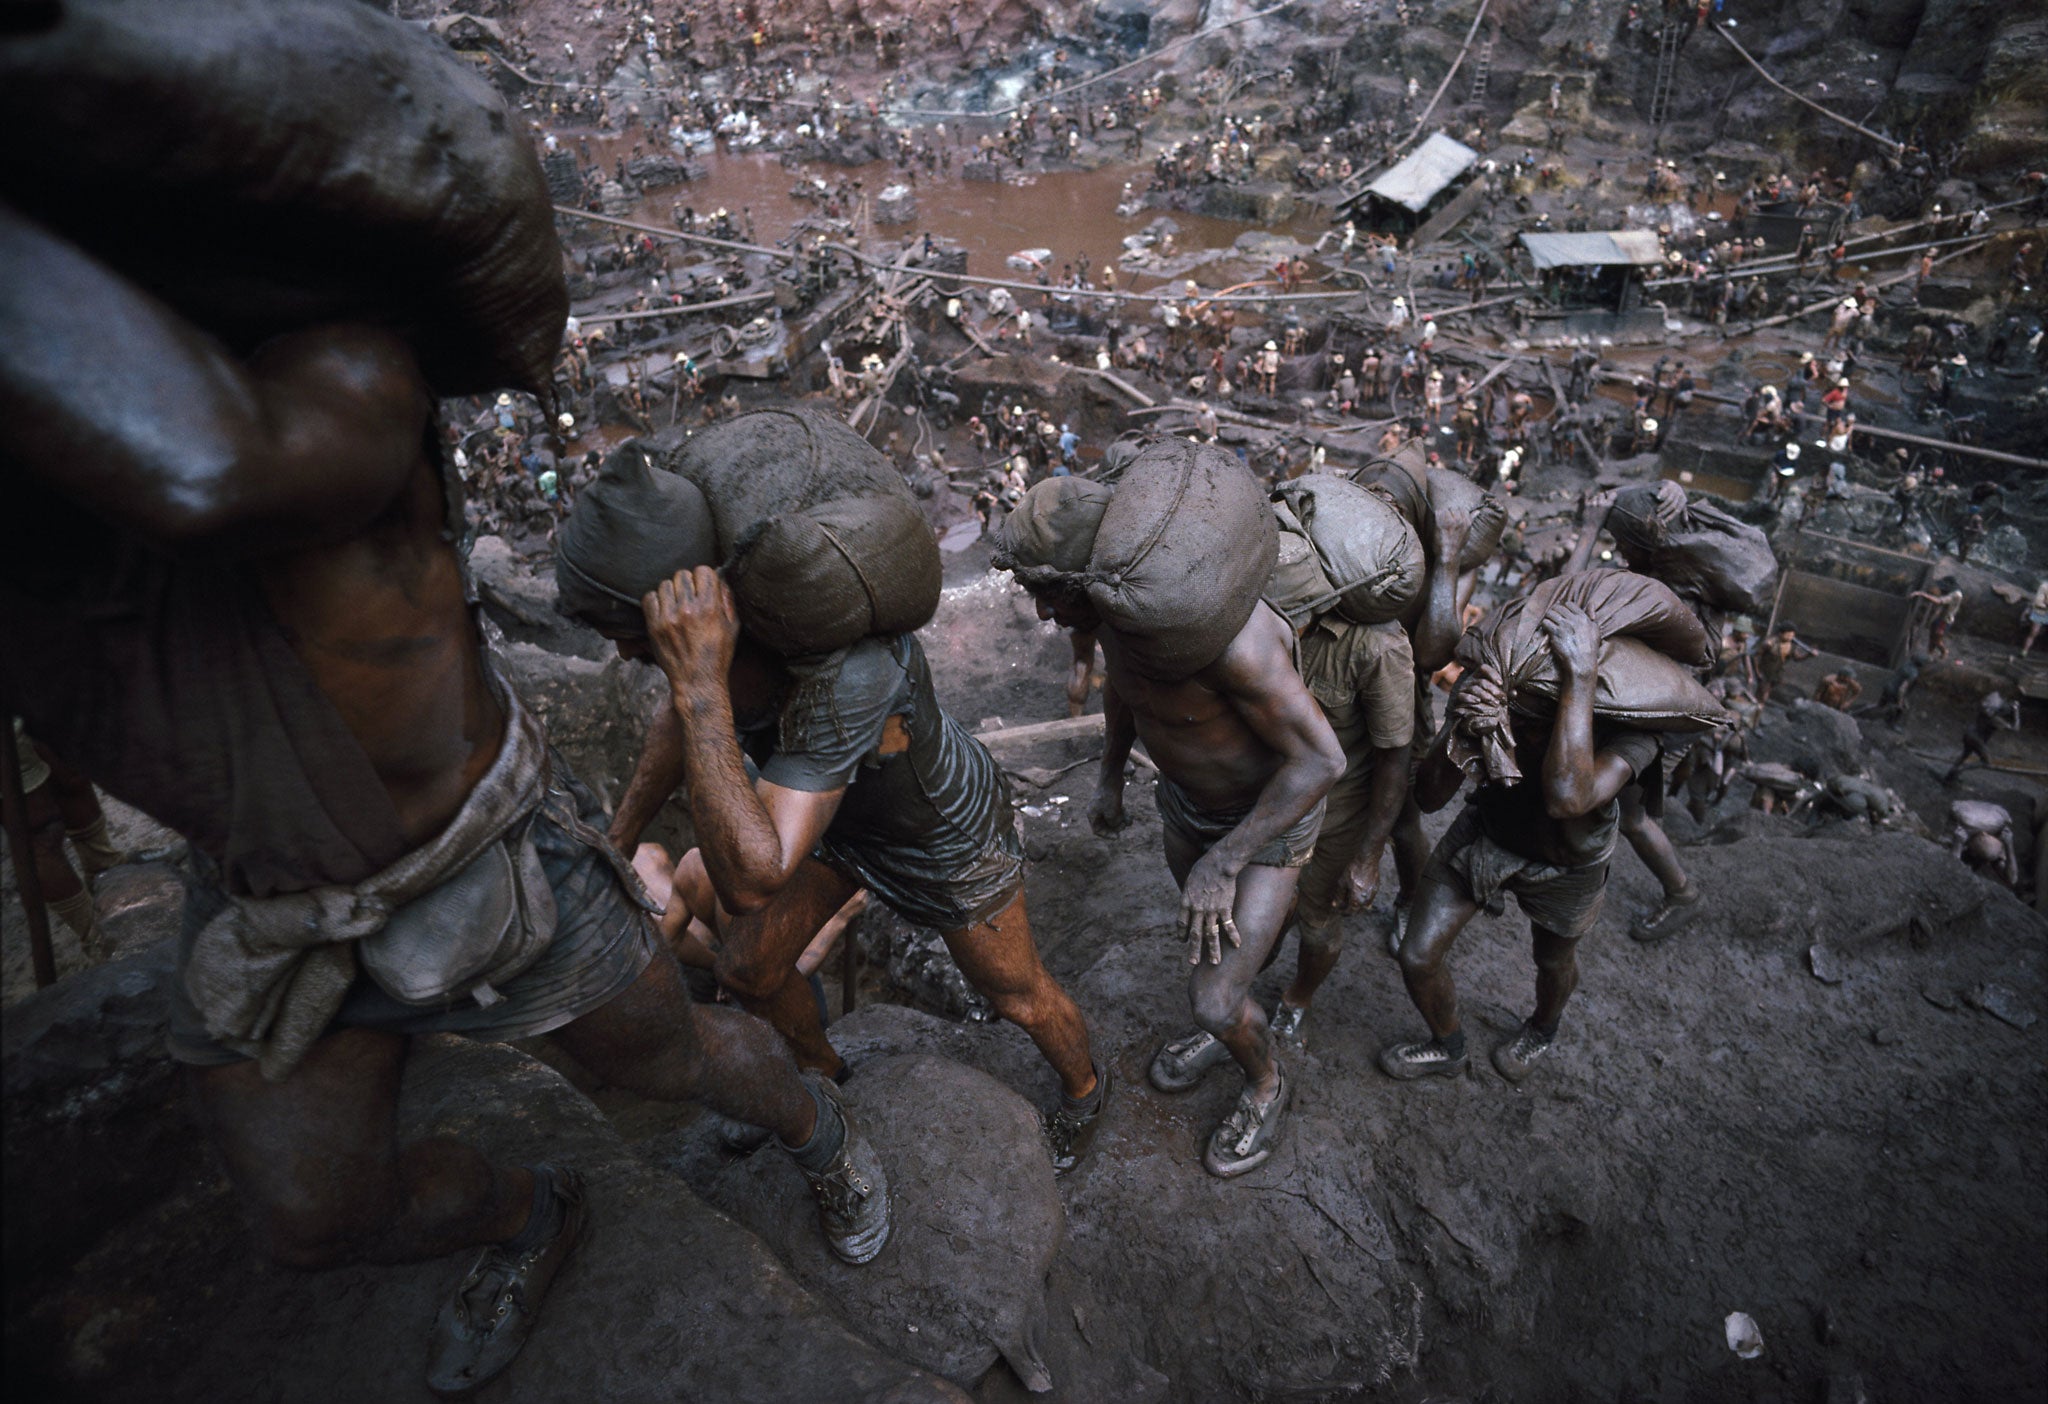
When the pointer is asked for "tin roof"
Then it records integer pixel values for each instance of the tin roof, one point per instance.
(1424, 172)
(1632, 247)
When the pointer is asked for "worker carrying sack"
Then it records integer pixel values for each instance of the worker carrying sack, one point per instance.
(1649, 643)
(1369, 555)
(1185, 548)
(818, 535)
(1694, 547)
(1049, 535)
(266, 165)
(1486, 512)
(1419, 493)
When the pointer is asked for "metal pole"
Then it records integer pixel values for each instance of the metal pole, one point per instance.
(28, 880)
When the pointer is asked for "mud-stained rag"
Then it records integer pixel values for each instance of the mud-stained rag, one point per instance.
(267, 974)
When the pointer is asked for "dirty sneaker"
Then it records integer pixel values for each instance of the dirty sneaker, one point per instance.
(1516, 1058)
(1286, 1026)
(1180, 1064)
(847, 1180)
(1408, 1061)
(1070, 1129)
(1248, 1136)
(1669, 917)
(495, 1307)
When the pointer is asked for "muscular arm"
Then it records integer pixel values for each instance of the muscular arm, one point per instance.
(136, 415)
(1438, 777)
(1576, 779)
(1119, 733)
(655, 777)
(1256, 677)
(751, 837)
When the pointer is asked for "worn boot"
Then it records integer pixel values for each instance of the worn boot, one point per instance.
(847, 1180)
(1070, 1126)
(1179, 1065)
(497, 1304)
(1670, 916)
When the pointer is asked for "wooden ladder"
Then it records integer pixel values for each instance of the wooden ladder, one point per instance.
(1667, 72)
(1482, 65)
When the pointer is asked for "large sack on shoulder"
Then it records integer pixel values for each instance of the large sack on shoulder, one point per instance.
(263, 165)
(1184, 550)
(1649, 644)
(1419, 493)
(1298, 588)
(1370, 555)
(1695, 548)
(1489, 515)
(820, 539)
(1051, 533)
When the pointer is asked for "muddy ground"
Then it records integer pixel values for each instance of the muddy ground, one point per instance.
(1817, 1107)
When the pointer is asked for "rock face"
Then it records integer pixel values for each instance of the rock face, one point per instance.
(122, 1242)
(977, 1219)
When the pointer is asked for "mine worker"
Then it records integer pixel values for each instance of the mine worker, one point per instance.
(1992, 716)
(1398, 317)
(1544, 832)
(1839, 689)
(1891, 702)
(1070, 448)
(1344, 393)
(1782, 647)
(1372, 367)
(1363, 677)
(1939, 616)
(1245, 759)
(1980, 835)
(2035, 617)
(271, 533)
(1269, 369)
(1205, 421)
(796, 816)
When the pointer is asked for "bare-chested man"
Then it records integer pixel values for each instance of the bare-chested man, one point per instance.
(804, 790)
(1245, 759)
(1545, 837)
(235, 581)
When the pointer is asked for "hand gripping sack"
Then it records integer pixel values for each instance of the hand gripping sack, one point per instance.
(1649, 643)
(1695, 548)
(265, 165)
(1369, 554)
(1183, 551)
(821, 541)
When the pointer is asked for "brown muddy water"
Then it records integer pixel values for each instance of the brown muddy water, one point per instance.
(1070, 212)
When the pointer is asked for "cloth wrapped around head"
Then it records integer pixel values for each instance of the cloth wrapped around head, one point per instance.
(1051, 533)
(1643, 516)
(633, 527)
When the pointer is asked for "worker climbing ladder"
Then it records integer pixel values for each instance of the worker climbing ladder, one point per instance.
(1669, 39)
(1482, 65)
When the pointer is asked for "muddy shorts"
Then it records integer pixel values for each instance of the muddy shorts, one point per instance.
(946, 896)
(1565, 901)
(603, 940)
(1202, 829)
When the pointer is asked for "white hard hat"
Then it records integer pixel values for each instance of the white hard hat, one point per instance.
(1792, 451)
(504, 399)
(565, 421)
(1649, 426)
(1272, 346)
